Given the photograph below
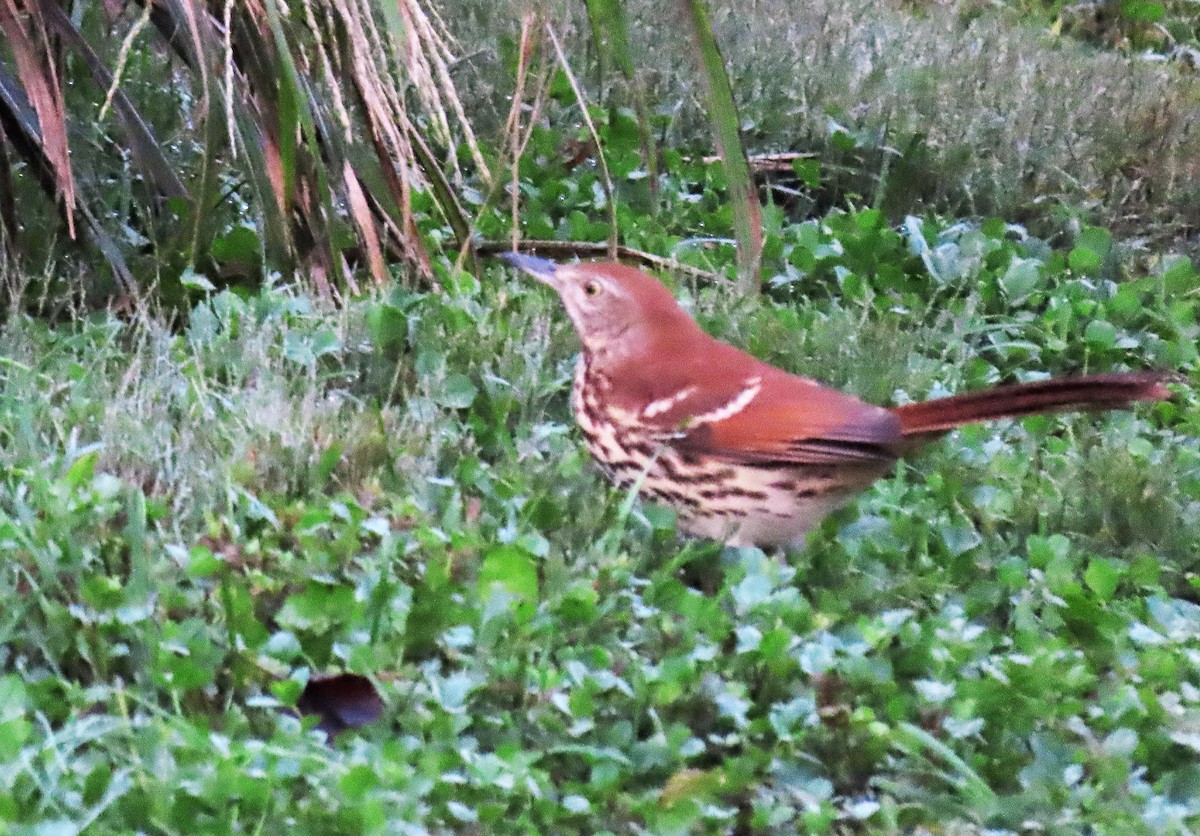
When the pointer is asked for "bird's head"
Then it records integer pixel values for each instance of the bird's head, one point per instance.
(616, 309)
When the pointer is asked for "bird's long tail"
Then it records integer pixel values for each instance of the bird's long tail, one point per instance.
(1087, 392)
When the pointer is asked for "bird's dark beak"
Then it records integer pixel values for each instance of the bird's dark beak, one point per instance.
(542, 269)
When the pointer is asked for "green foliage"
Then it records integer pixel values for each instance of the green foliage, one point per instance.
(197, 523)
(726, 127)
(1168, 28)
(200, 519)
(962, 108)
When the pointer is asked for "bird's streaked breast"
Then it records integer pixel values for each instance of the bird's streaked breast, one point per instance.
(765, 503)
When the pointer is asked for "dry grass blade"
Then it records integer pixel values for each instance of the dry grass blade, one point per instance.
(21, 130)
(145, 151)
(277, 69)
(123, 59)
(424, 46)
(201, 32)
(113, 254)
(273, 158)
(303, 132)
(228, 74)
(19, 124)
(329, 56)
(447, 200)
(314, 99)
(515, 136)
(386, 118)
(515, 139)
(185, 11)
(27, 37)
(361, 212)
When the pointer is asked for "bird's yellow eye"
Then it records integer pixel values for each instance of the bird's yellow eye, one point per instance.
(592, 288)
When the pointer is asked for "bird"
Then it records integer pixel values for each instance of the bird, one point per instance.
(746, 453)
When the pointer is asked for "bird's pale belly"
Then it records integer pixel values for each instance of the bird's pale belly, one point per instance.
(767, 505)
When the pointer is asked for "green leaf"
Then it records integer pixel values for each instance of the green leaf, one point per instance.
(457, 392)
(994, 228)
(1102, 577)
(97, 783)
(1096, 239)
(1179, 275)
(1100, 334)
(513, 569)
(202, 563)
(869, 219)
(287, 691)
(83, 469)
(694, 784)
(1042, 550)
(1084, 260)
(1022, 278)
(13, 734)
(808, 170)
(103, 592)
(462, 812)
(326, 464)
(1092, 247)
(241, 243)
(576, 804)
(1142, 10)
(726, 127)
(13, 698)
(196, 281)
(1121, 743)
(840, 138)
(359, 780)
(1126, 304)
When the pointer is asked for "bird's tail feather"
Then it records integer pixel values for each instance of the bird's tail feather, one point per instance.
(1087, 392)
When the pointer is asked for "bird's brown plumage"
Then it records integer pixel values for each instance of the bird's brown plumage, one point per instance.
(748, 453)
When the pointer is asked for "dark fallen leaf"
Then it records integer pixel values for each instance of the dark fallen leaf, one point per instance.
(343, 701)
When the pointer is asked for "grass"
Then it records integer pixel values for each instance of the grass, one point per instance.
(954, 107)
(197, 519)
(204, 513)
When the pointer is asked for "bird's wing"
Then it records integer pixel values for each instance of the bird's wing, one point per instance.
(769, 415)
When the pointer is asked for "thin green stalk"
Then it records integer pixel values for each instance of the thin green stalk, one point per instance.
(610, 31)
(722, 112)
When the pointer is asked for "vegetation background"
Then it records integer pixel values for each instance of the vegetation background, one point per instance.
(297, 532)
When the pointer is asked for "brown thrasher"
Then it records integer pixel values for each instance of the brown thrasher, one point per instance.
(746, 453)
